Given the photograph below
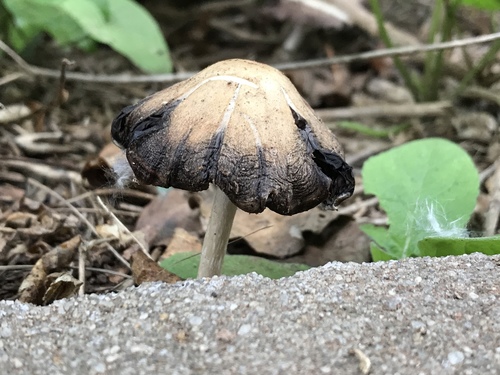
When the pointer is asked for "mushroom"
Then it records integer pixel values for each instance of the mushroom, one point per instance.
(244, 127)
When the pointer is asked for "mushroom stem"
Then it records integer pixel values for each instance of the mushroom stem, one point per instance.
(217, 235)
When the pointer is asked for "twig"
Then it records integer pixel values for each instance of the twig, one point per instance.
(356, 206)
(42, 171)
(79, 215)
(94, 210)
(476, 92)
(122, 227)
(82, 256)
(362, 155)
(364, 362)
(175, 77)
(441, 108)
(14, 113)
(111, 272)
(493, 213)
(16, 267)
(113, 191)
(487, 172)
(10, 78)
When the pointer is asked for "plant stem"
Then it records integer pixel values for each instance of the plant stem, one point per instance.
(410, 82)
(430, 58)
(448, 22)
(217, 235)
(485, 60)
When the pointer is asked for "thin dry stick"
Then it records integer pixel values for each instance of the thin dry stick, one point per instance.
(113, 191)
(356, 206)
(493, 213)
(475, 92)
(487, 172)
(82, 256)
(440, 108)
(80, 216)
(176, 77)
(10, 78)
(111, 272)
(122, 227)
(18, 267)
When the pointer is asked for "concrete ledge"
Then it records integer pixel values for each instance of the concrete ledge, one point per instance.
(417, 316)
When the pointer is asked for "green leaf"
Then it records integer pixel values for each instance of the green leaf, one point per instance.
(124, 25)
(381, 236)
(370, 131)
(379, 255)
(185, 265)
(483, 4)
(427, 187)
(443, 246)
(34, 16)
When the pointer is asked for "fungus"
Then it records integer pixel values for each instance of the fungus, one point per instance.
(244, 127)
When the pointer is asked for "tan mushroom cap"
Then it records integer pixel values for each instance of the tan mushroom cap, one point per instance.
(243, 126)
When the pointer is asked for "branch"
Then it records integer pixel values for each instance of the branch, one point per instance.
(176, 77)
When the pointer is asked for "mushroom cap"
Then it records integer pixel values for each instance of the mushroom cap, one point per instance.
(243, 126)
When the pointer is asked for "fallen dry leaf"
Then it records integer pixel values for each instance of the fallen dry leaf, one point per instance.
(34, 286)
(98, 171)
(182, 241)
(63, 286)
(271, 233)
(146, 270)
(346, 244)
(166, 212)
(20, 220)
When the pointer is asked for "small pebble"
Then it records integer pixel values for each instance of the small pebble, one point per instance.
(244, 329)
(456, 357)
(17, 363)
(5, 332)
(195, 320)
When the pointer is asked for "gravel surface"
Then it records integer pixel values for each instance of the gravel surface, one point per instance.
(418, 316)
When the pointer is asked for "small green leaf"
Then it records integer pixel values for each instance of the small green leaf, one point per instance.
(125, 26)
(370, 131)
(379, 255)
(185, 265)
(427, 187)
(483, 4)
(381, 237)
(34, 16)
(443, 246)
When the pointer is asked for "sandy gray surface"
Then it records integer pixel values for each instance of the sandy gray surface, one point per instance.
(419, 316)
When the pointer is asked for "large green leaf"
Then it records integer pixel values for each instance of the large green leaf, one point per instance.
(443, 246)
(384, 246)
(124, 25)
(427, 187)
(185, 265)
(483, 4)
(33, 16)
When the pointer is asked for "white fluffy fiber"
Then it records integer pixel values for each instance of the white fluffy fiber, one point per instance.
(123, 172)
(431, 219)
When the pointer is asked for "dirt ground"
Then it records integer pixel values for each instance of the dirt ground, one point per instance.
(56, 151)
